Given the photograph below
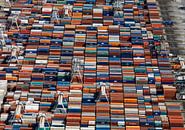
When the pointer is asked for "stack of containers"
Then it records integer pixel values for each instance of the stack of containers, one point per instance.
(141, 75)
(107, 15)
(97, 16)
(74, 107)
(124, 33)
(174, 113)
(88, 115)
(166, 75)
(90, 70)
(90, 55)
(77, 14)
(156, 21)
(102, 115)
(131, 106)
(138, 55)
(128, 74)
(102, 69)
(116, 106)
(115, 65)
(128, 13)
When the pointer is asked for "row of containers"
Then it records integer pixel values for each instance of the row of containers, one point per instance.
(121, 48)
(133, 106)
(97, 2)
(91, 73)
(89, 14)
